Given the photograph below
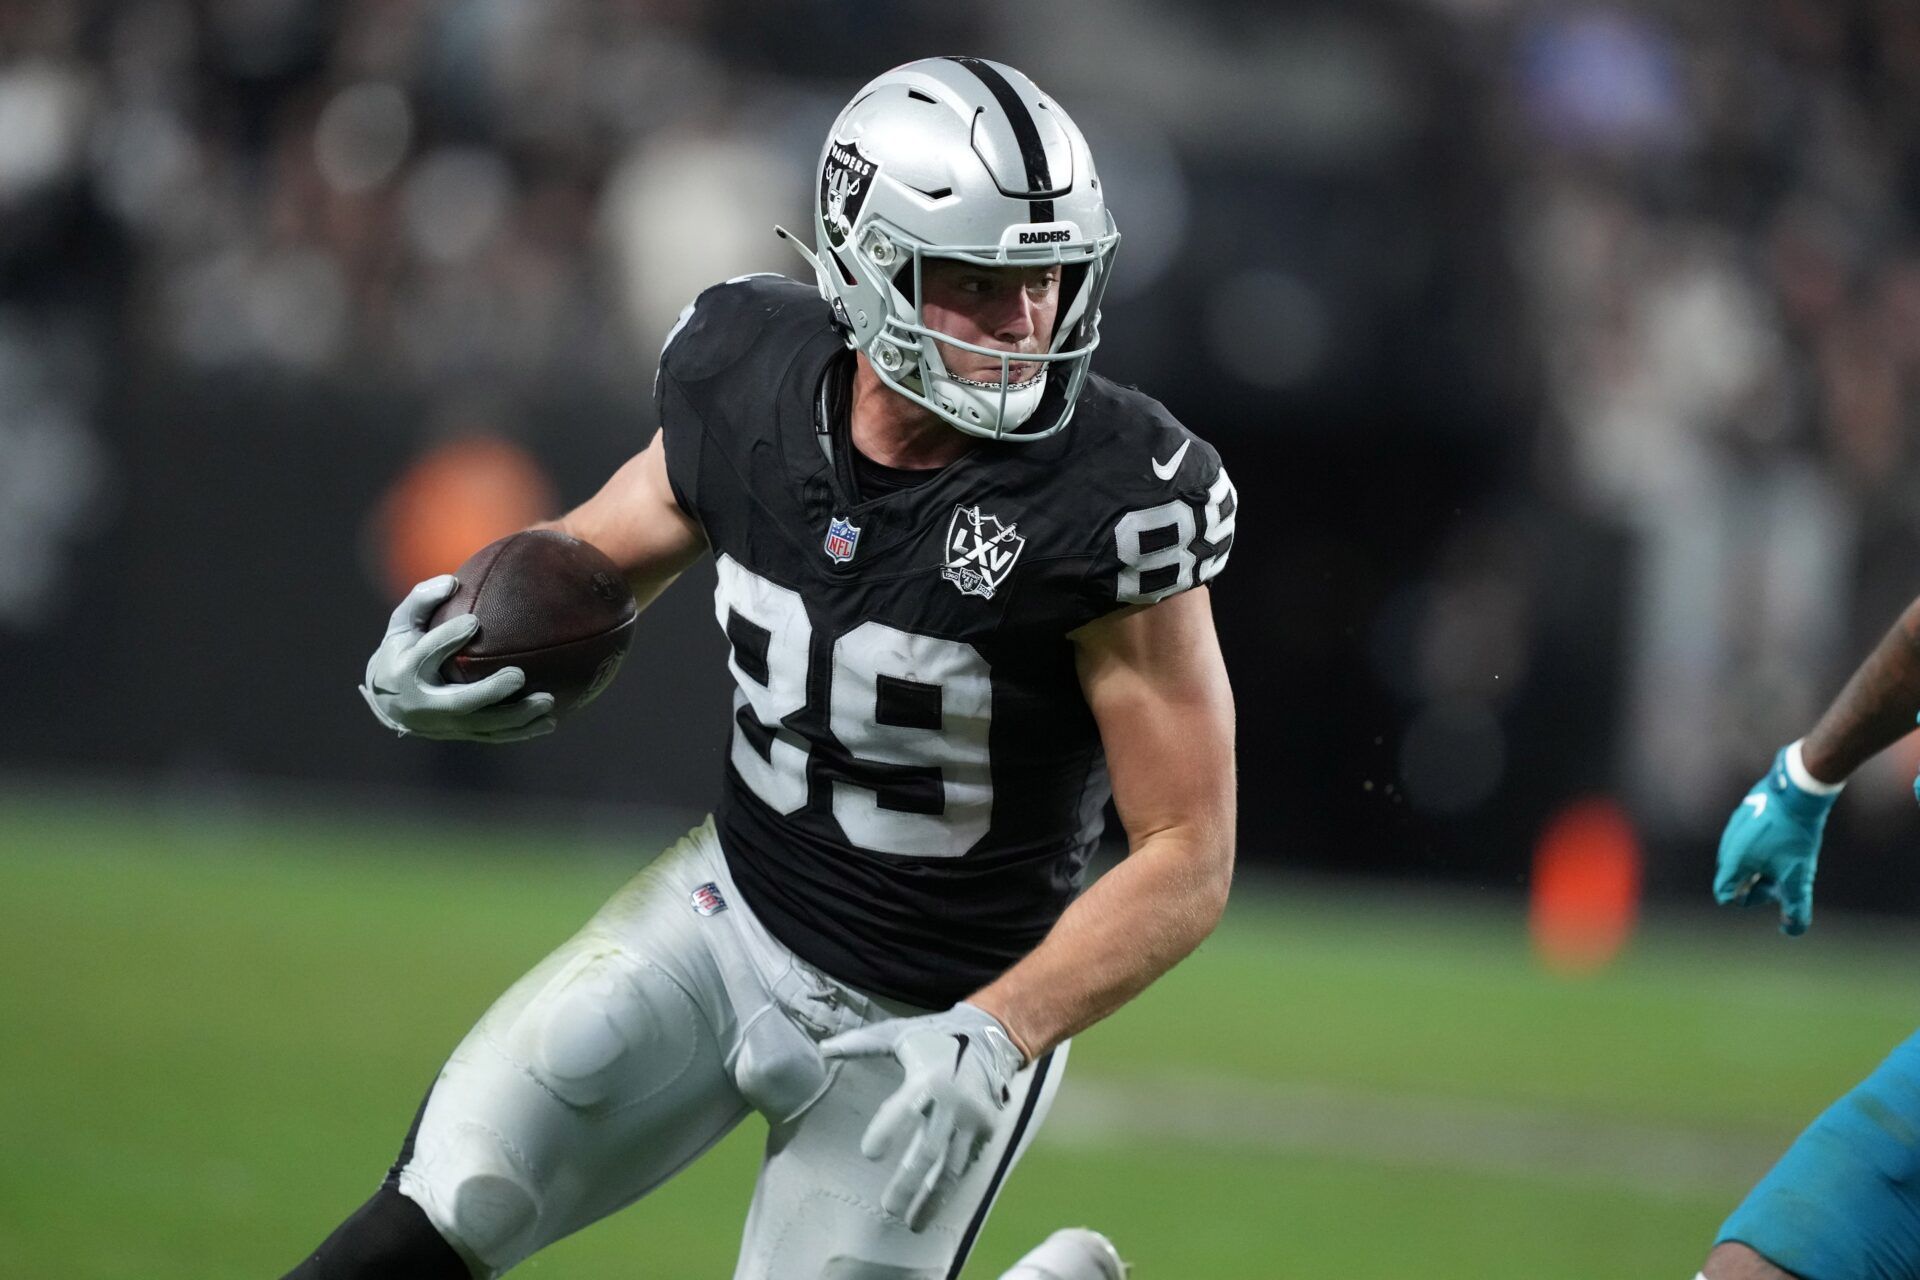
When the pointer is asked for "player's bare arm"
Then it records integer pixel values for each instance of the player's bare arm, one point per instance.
(1840, 1201)
(635, 521)
(1771, 845)
(1153, 679)
(1156, 683)
(1874, 710)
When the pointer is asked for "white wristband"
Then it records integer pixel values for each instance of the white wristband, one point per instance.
(1797, 771)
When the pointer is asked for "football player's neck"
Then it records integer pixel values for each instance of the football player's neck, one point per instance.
(894, 431)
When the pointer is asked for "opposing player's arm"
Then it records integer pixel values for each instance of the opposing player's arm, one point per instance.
(636, 522)
(1874, 710)
(1157, 686)
(1770, 847)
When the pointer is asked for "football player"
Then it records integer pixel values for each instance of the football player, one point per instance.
(1844, 1202)
(963, 584)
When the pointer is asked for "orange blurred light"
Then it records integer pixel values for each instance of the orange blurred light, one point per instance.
(453, 500)
(1586, 887)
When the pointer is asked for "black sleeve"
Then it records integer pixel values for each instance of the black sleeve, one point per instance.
(718, 377)
(680, 428)
(681, 437)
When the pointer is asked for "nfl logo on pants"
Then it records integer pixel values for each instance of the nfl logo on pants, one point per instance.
(842, 537)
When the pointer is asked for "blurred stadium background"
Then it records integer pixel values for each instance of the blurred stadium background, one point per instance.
(1565, 355)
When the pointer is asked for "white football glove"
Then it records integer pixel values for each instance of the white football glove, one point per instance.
(960, 1067)
(406, 692)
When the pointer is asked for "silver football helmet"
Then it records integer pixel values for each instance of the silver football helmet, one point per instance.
(966, 159)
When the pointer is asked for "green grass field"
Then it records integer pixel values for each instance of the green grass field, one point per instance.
(215, 1031)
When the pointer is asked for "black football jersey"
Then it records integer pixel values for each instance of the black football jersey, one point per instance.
(914, 782)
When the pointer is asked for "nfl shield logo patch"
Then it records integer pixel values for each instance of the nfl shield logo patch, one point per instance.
(980, 552)
(842, 538)
(707, 899)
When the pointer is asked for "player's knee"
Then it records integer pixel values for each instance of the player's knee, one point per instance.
(490, 1212)
(491, 1201)
(1735, 1261)
(583, 1039)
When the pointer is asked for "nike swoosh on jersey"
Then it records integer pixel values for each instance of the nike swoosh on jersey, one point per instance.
(959, 1054)
(1166, 469)
(1759, 802)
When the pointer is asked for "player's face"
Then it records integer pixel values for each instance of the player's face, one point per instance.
(1006, 308)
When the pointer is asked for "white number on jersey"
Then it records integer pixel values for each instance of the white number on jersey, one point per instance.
(1223, 508)
(897, 704)
(1168, 529)
(904, 699)
(768, 657)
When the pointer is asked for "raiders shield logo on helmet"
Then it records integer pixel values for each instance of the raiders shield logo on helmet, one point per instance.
(980, 552)
(845, 179)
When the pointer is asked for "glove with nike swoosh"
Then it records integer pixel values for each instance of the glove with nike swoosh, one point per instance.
(1771, 846)
(406, 692)
(959, 1068)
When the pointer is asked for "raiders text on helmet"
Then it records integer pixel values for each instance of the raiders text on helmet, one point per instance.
(964, 159)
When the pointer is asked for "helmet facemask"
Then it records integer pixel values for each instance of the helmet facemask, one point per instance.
(905, 351)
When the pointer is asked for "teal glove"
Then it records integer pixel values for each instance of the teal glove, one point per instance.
(1771, 845)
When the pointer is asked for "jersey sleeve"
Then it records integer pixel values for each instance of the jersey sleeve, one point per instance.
(1170, 533)
(679, 438)
(711, 342)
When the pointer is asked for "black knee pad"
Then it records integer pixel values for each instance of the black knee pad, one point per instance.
(387, 1238)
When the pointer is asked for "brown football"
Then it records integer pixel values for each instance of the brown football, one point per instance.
(552, 605)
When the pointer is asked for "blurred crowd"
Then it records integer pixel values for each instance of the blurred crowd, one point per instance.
(396, 189)
(1647, 269)
(1714, 219)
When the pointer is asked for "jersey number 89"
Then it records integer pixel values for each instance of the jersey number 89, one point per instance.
(1154, 545)
(908, 719)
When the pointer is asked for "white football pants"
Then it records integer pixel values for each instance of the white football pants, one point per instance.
(639, 1044)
